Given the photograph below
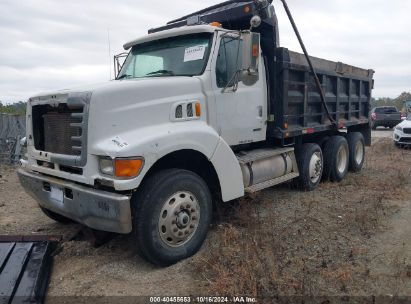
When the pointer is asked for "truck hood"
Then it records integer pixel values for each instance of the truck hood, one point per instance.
(119, 107)
(107, 85)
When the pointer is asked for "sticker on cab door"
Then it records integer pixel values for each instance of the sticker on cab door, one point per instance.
(194, 53)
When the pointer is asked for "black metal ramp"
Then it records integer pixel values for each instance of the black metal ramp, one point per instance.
(25, 268)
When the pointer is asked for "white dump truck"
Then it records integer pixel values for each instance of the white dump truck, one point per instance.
(204, 110)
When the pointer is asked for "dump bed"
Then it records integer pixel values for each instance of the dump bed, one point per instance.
(297, 108)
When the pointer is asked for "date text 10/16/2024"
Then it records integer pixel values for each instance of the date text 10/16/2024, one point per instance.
(239, 299)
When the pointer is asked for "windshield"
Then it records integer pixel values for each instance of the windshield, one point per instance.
(176, 56)
(386, 110)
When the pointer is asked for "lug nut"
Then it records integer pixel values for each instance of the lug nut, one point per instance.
(188, 206)
(175, 230)
(180, 234)
(186, 232)
(182, 207)
(173, 222)
(194, 218)
(192, 226)
(193, 210)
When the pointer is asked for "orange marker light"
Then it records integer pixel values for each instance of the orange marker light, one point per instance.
(128, 168)
(247, 9)
(217, 24)
(198, 109)
(255, 50)
(285, 125)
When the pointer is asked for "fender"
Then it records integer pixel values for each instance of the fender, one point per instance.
(155, 142)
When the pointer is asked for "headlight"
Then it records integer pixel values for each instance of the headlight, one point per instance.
(121, 167)
(398, 128)
(107, 166)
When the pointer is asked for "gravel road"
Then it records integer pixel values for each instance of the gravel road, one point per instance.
(382, 133)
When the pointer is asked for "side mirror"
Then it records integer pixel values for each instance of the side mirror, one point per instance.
(118, 63)
(251, 57)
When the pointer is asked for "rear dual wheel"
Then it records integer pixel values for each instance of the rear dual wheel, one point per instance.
(356, 145)
(310, 165)
(342, 155)
(336, 159)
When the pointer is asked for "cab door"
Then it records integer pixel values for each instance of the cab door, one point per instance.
(241, 109)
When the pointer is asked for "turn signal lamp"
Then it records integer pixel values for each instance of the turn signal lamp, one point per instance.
(123, 168)
(128, 168)
(198, 109)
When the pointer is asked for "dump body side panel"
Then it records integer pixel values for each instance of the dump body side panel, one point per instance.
(297, 109)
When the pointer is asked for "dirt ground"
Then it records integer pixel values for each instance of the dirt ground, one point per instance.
(347, 239)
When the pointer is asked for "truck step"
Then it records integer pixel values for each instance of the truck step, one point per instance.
(271, 183)
(251, 156)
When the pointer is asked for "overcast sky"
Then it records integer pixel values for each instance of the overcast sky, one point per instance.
(50, 44)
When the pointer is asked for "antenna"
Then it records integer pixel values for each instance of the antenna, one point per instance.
(109, 52)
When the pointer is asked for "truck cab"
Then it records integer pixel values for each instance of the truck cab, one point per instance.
(198, 114)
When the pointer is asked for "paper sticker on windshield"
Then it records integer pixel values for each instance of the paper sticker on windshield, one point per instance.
(194, 53)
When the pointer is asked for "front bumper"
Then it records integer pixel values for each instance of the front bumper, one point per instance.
(388, 123)
(96, 209)
(401, 138)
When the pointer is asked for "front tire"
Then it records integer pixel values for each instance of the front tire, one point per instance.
(356, 144)
(336, 159)
(310, 165)
(172, 214)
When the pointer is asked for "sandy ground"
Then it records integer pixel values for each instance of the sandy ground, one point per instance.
(382, 133)
(114, 269)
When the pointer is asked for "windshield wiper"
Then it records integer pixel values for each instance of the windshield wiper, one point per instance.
(124, 76)
(163, 72)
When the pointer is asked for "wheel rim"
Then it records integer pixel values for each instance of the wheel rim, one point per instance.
(342, 159)
(316, 167)
(179, 219)
(359, 153)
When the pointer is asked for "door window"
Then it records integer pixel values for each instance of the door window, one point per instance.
(228, 61)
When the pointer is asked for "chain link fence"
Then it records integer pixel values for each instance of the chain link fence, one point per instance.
(12, 130)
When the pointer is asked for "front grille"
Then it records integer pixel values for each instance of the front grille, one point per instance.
(59, 134)
(407, 130)
(61, 130)
(405, 140)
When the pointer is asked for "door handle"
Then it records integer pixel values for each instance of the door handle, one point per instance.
(260, 111)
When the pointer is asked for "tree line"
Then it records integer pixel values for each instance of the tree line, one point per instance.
(19, 108)
(398, 102)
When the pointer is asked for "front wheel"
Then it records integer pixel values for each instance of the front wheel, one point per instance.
(172, 214)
